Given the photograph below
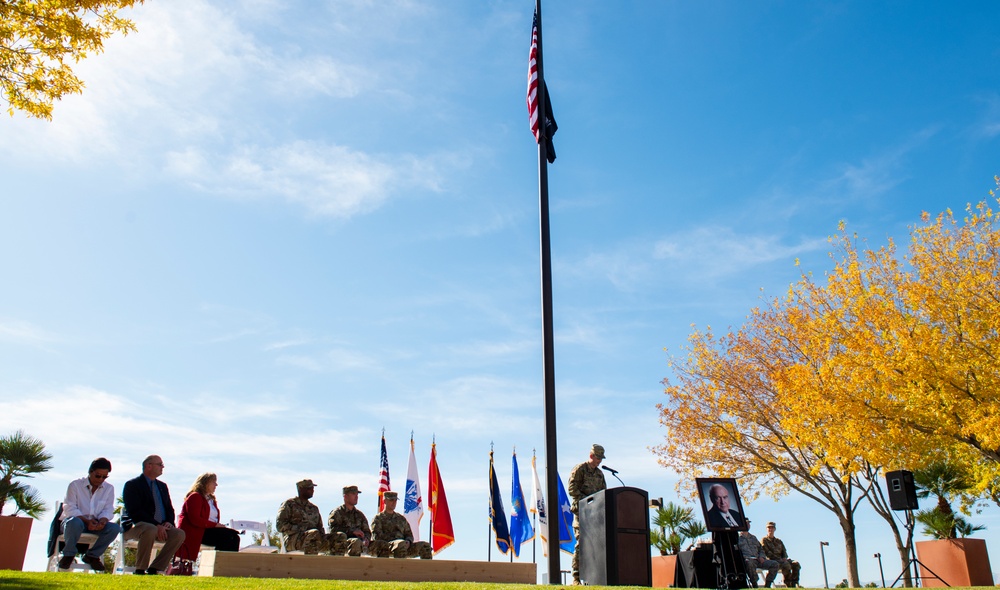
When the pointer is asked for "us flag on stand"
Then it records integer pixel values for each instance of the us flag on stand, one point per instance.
(383, 476)
(534, 87)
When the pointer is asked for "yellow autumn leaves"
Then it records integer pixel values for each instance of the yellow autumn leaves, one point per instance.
(890, 360)
(39, 39)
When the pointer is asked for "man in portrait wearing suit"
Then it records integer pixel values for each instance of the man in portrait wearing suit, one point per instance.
(148, 516)
(720, 515)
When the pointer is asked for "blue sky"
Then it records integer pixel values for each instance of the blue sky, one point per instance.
(268, 230)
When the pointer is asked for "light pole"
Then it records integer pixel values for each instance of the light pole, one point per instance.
(658, 504)
(822, 555)
(878, 556)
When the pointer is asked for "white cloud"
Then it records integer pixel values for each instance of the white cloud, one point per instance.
(325, 179)
(707, 253)
(715, 251)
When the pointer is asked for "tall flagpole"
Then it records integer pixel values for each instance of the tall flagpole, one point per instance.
(548, 353)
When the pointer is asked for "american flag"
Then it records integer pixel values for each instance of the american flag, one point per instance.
(383, 477)
(534, 87)
(533, 79)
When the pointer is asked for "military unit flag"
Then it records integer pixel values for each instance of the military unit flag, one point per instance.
(567, 538)
(497, 517)
(520, 525)
(413, 503)
(442, 532)
(538, 507)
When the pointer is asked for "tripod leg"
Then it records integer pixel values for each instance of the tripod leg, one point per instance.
(917, 562)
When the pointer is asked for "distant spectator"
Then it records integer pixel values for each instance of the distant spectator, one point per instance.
(753, 556)
(200, 520)
(300, 523)
(775, 549)
(391, 534)
(349, 532)
(88, 508)
(148, 516)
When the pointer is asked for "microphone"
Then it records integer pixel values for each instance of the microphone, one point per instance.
(606, 468)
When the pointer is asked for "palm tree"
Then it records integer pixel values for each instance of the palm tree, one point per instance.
(22, 456)
(675, 524)
(945, 480)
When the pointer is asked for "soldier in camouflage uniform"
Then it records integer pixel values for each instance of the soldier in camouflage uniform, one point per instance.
(300, 523)
(391, 534)
(774, 548)
(585, 479)
(349, 532)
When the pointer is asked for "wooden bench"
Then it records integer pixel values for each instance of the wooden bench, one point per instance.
(329, 567)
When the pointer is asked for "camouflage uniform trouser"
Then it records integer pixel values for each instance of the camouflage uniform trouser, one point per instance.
(401, 548)
(790, 572)
(341, 544)
(311, 542)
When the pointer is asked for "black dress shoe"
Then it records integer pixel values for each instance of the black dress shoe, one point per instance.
(152, 571)
(66, 561)
(95, 563)
(139, 573)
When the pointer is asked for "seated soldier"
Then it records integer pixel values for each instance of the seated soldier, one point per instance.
(754, 558)
(391, 534)
(349, 532)
(775, 549)
(300, 523)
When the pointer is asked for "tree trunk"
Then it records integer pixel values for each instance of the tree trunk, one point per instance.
(876, 497)
(851, 547)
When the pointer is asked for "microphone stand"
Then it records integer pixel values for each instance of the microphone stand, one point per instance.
(614, 473)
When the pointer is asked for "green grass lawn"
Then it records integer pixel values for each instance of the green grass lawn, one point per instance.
(86, 581)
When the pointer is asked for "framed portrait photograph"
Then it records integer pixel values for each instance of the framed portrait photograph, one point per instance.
(721, 504)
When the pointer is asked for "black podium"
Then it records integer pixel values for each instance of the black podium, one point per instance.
(614, 538)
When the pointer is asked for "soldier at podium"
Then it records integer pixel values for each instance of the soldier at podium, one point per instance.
(585, 479)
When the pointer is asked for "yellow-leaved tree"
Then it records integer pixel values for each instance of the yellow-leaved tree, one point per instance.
(724, 416)
(890, 362)
(40, 39)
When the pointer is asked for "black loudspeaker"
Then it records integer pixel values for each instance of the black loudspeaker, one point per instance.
(614, 538)
(902, 490)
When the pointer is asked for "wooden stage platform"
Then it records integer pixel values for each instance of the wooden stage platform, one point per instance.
(328, 567)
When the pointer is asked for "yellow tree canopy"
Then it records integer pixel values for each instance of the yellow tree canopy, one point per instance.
(891, 362)
(909, 351)
(40, 39)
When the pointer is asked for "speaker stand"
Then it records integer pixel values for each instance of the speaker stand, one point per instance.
(914, 562)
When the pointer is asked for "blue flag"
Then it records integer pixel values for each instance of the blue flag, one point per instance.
(520, 525)
(567, 538)
(497, 517)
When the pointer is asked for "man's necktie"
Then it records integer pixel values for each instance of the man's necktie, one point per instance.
(159, 515)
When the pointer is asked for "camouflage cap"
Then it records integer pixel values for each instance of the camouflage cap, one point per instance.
(597, 451)
(770, 524)
(305, 483)
(351, 490)
(390, 496)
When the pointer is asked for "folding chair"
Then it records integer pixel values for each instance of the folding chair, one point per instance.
(258, 527)
(57, 543)
(122, 544)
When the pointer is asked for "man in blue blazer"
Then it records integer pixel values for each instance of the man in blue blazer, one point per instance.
(148, 516)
